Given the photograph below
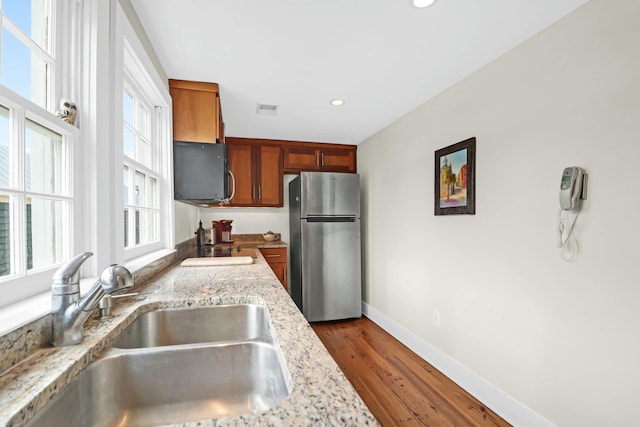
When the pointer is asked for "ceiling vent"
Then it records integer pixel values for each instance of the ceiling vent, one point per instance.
(267, 109)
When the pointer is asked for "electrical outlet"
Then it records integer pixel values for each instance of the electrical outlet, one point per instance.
(436, 318)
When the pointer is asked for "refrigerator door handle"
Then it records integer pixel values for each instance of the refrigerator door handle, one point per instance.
(331, 219)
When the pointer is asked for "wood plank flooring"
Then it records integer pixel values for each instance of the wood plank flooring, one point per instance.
(400, 388)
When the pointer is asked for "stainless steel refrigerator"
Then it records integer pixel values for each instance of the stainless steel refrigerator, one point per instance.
(324, 226)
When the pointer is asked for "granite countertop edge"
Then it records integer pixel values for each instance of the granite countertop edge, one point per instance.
(320, 393)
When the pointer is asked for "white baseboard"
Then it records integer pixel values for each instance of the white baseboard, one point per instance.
(500, 402)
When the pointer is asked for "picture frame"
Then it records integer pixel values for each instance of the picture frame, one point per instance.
(455, 179)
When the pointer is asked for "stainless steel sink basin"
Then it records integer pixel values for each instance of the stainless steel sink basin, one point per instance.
(171, 385)
(190, 325)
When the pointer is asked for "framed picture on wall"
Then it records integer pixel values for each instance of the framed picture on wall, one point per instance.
(455, 179)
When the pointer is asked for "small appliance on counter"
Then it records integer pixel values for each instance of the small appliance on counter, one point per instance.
(222, 230)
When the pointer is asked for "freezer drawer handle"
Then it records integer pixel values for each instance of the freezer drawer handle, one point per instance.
(331, 219)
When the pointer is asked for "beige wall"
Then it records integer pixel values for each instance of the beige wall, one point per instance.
(561, 338)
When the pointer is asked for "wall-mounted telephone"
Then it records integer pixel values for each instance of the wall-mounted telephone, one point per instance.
(573, 189)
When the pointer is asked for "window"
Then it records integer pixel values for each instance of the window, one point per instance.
(142, 142)
(35, 191)
(26, 59)
(140, 176)
(54, 176)
(36, 151)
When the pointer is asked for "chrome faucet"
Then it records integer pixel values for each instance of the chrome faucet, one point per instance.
(68, 310)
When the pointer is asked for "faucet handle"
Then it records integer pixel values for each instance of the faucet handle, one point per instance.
(66, 279)
(116, 278)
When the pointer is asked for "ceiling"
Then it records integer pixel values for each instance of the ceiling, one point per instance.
(384, 58)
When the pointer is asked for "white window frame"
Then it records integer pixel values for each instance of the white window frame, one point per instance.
(23, 283)
(59, 9)
(134, 66)
(150, 169)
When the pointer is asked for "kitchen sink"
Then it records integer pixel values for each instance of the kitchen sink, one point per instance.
(176, 326)
(177, 365)
(167, 385)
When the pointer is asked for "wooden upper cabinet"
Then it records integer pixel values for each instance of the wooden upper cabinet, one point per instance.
(270, 176)
(197, 115)
(338, 160)
(241, 165)
(302, 157)
(257, 170)
(298, 159)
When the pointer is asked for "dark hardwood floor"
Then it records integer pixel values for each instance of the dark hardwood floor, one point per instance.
(399, 387)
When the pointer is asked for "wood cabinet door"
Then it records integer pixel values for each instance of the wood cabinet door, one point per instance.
(241, 166)
(258, 174)
(195, 115)
(297, 159)
(280, 271)
(277, 260)
(338, 160)
(316, 158)
(269, 171)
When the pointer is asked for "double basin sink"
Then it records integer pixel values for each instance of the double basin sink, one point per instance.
(178, 365)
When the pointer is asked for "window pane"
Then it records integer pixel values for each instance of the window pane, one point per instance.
(125, 179)
(126, 228)
(138, 225)
(127, 109)
(22, 71)
(142, 152)
(31, 16)
(45, 232)
(153, 192)
(140, 189)
(43, 159)
(128, 143)
(29, 237)
(5, 236)
(4, 147)
(143, 121)
(153, 227)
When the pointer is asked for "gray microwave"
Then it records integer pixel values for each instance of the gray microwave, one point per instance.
(200, 173)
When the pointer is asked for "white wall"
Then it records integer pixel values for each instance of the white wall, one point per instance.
(186, 221)
(561, 338)
(129, 10)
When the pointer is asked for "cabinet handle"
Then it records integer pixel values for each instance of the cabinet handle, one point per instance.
(253, 191)
(321, 159)
(272, 256)
(259, 192)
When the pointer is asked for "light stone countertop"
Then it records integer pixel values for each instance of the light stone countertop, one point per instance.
(320, 393)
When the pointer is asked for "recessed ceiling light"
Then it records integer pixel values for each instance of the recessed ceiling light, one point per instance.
(337, 102)
(420, 4)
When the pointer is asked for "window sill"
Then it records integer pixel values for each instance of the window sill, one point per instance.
(18, 314)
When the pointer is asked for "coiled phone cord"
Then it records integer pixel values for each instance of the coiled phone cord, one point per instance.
(567, 241)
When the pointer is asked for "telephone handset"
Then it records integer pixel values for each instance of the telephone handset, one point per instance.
(571, 188)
